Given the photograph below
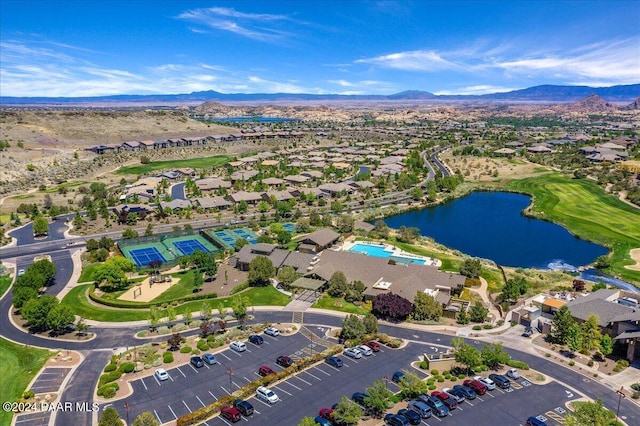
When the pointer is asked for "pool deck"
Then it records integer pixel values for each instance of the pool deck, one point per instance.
(393, 250)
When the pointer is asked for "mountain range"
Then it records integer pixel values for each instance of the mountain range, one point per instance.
(543, 93)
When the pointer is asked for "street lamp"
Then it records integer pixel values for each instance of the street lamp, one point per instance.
(127, 408)
(230, 373)
(620, 396)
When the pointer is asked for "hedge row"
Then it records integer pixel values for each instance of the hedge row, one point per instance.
(116, 303)
(109, 377)
(517, 364)
(204, 413)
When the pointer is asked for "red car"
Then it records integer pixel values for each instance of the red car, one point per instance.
(447, 400)
(230, 413)
(476, 386)
(326, 413)
(375, 346)
(265, 371)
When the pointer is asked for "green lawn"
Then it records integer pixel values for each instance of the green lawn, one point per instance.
(87, 273)
(450, 263)
(5, 282)
(55, 188)
(18, 365)
(583, 208)
(77, 300)
(338, 304)
(196, 163)
(182, 288)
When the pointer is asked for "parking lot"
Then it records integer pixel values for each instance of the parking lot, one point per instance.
(321, 386)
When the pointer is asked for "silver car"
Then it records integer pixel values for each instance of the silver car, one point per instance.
(487, 382)
(353, 353)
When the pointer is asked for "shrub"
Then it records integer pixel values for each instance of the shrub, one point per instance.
(185, 349)
(517, 364)
(572, 363)
(157, 362)
(548, 355)
(636, 386)
(431, 381)
(500, 322)
(423, 365)
(477, 327)
(179, 327)
(635, 395)
(461, 376)
(513, 323)
(110, 367)
(432, 387)
(109, 390)
(109, 377)
(447, 376)
(203, 345)
(28, 394)
(127, 367)
(621, 364)
(240, 287)
(453, 378)
(590, 363)
(487, 326)
(167, 357)
(434, 372)
(163, 330)
(440, 379)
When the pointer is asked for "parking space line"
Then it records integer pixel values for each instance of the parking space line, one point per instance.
(245, 377)
(192, 367)
(489, 395)
(460, 408)
(480, 399)
(228, 393)
(214, 397)
(208, 368)
(302, 380)
(333, 368)
(322, 371)
(500, 390)
(237, 385)
(468, 402)
(183, 375)
(282, 390)
(317, 378)
(237, 354)
(426, 423)
(200, 401)
(174, 414)
(222, 354)
(157, 416)
(157, 381)
(185, 404)
(222, 418)
(437, 418)
(292, 385)
(144, 384)
(170, 378)
(261, 401)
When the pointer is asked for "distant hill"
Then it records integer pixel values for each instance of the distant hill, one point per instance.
(544, 93)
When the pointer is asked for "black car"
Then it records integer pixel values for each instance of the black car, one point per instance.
(528, 332)
(197, 362)
(334, 360)
(359, 397)
(412, 416)
(395, 420)
(466, 391)
(500, 380)
(243, 406)
(284, 361)
(458, 394)
(256, 339)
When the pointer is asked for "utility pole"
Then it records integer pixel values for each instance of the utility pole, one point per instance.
(620, 396)
(127, 408)
(230, 373)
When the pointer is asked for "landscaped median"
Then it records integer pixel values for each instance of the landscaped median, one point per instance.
(209, 411)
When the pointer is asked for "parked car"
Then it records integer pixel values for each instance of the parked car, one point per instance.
(465, 390)
(196, 361)
(437, 407)
(284, 361)
(272, 331)
(322, 421)
(455, 394)
(375, 346)
(267, 395)
(413, 417)
(397, 376)
(448, 401)
(528, 332)
(256, 339)
(420, 407)
(334, 361)
(353, 353)
(326, 413)
(230, 413)
(395, 420)
(513, 373)
(161, 374)
(500, 380)
(209, 359)
(359, 397)
(265, 370)
(21, 272)
(245, 407)
(487, 382)
(532, 421)
(365, 350)
(238, 346)
(478, 387)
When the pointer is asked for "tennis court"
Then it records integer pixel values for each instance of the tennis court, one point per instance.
(146, 255)
(187, 247)
(227, 237)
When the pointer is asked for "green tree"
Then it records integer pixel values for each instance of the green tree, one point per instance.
(287, 275)
(45, 267)
(283, 238)
(187, 316)
(379, 398)
(465, 354)
(513, 289)
(59, 318)
(606, 344)
(590, 335)
(239, 306)
(149, 231)
(561, 324)
(411, 385)
(355, 291)
(416, 193)
(198, 280)
(347, 412)
(471, 268)
(345, 224)
(463, 318)
(40, 226)
(260, 270)
(243, 207)
(381, 229)
(426, 307)
(240, 242)
(574, 338)
(109, 276)
(81, 326)
(478, 313)
(129, 233)
(352, 327)
(337, 207)
(21, 294)
(110, 417)
(493, 356)
(35, 311)
(338, 285)
(370, 323)
(590, 414)
(307, 421)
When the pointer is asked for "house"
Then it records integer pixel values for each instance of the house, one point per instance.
(243, 175)
(148, 145)
(248, 197)
(334, 189)
(209, 203)
(277, 195)
(539, 149)
(279, 257)
(272, 181)
(210, 184)
(507, 152)
(313, 174)
(186, 171)
(169, 175)
(296, 179)
(178, 204)
(131, 146)
(321, 239)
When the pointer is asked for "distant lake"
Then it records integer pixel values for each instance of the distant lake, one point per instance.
(257, 118)
(490, 225)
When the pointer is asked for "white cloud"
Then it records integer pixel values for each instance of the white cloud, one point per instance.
(480, 89)
(415, 60)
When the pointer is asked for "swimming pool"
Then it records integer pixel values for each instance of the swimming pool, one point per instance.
(382, 251)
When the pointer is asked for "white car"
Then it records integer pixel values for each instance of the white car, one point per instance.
(353, 353)
(267, 395)
(365, 350)
(20, 272)
(487, 382)
(513, 373)
(161, 374)
(238, 346)
(272, 331)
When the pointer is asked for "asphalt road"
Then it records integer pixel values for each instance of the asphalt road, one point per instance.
(24, 235)
(177, 191)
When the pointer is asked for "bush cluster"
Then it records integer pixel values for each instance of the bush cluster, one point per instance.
(109, 377)
(110, 367)
(167, 357)
(518, 364)
(127, 367)
(185, 349)
(109, 390)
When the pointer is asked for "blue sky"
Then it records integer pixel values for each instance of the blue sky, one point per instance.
(88, 48)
